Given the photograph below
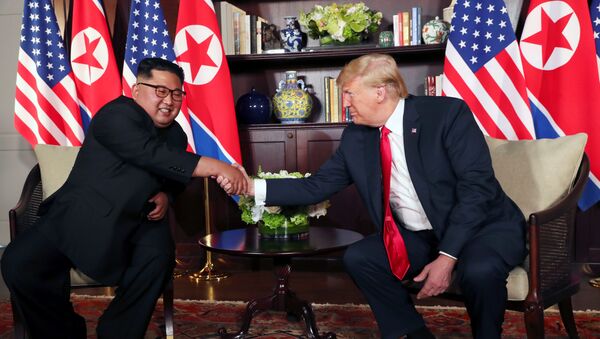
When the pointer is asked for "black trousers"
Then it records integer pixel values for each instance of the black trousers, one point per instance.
(481, 273)
(37, 275)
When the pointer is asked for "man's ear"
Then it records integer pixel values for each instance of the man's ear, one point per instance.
(381, 93)
(134, 90)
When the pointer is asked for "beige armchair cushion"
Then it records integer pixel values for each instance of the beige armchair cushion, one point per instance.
(537, 173)
(56, 163)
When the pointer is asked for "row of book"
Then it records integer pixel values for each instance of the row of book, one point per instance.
(433, 85)
(333, 104)
(243, 33)
(407, 27)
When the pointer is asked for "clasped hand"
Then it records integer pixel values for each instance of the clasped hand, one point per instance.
(229, 186)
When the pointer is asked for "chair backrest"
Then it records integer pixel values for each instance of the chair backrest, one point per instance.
(55, 163)
(535, 174)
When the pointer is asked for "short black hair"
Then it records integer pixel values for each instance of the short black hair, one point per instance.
(147, 65)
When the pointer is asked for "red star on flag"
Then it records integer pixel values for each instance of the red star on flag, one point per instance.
(197, 54)
(551, 35)
(88, 57)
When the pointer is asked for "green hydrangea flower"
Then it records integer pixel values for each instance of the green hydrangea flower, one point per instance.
(345, 23)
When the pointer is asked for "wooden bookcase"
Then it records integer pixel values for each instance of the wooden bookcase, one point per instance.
(264, 71)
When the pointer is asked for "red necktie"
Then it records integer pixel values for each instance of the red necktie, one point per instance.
(392, 239)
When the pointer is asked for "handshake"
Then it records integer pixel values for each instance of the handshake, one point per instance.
(235, 181)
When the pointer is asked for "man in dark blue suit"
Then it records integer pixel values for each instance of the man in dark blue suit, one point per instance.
(445, 201)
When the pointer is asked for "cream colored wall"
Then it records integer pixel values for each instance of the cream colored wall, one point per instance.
(15, 153)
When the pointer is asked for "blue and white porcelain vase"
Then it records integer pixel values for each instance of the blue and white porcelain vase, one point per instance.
(292, 103)
(292, 39)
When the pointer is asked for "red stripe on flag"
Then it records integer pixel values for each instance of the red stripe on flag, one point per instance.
(515, 75)
(25, 131)
(31, 109)
(47, 107)
(503, 102)
(474, 104)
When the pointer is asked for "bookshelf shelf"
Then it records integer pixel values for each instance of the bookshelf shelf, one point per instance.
(340, 53)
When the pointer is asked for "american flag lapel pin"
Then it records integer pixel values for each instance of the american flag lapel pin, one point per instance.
(413, 130)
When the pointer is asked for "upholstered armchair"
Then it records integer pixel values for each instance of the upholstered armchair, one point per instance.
(54, 165)
(545, 178)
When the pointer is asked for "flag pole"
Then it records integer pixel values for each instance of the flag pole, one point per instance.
(208, 272)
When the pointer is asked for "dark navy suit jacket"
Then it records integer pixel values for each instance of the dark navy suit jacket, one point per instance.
(123, 162)
(449, 164)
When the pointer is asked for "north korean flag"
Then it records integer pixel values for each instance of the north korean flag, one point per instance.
(209, 98)
(559, 62)
(92, 58)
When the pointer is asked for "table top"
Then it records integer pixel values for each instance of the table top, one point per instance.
(247, 242)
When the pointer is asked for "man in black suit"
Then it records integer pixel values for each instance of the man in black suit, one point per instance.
(445, 201)
(107, 220)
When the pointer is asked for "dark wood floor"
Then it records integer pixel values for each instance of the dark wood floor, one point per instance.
(322, 286)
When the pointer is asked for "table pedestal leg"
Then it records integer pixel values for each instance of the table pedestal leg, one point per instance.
(282, 299)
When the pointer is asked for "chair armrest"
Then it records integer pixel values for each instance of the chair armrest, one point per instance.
(24, 214)
(551, 234)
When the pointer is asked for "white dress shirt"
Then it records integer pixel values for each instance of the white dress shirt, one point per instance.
(404, 201)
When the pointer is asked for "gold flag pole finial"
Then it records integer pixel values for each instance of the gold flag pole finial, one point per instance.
(208, 272)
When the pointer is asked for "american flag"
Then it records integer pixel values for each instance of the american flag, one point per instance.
(148, 37)
(483, 67)
(46, 106)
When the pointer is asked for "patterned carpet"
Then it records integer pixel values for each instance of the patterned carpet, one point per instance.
(201, 319)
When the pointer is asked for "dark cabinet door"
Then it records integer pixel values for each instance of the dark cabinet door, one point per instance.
(315, 146)
(271, 149)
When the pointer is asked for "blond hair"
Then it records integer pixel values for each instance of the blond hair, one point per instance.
(374, 70)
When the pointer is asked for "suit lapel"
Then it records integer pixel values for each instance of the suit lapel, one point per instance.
(372, 165)
(412, 132)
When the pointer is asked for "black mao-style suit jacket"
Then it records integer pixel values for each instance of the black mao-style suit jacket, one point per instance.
(449, 164)
(123, 162)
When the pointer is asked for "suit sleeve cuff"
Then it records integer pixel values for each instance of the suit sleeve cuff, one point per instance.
(448, 255)
(260, 192)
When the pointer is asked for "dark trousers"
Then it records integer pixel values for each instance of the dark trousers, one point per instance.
(480, 271)
(37, 275)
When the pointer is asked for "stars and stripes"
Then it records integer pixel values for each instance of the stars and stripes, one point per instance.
(483, 67)
(46, 105)
(148, 37)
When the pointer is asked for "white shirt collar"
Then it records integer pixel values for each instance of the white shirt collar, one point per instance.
(394, 122)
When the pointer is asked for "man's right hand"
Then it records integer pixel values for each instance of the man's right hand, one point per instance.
(225, 184)
(236, 180)
(209, 167)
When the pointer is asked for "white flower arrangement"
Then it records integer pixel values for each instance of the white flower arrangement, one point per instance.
(274, 217)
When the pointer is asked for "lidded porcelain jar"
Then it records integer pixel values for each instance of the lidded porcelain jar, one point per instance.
(435, 31)
(292, 39)
(292, 103)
